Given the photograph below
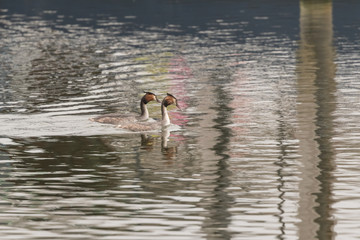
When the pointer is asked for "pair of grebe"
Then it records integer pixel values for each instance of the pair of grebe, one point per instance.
(141, 123)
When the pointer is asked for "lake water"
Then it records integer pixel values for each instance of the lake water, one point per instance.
(267, 145)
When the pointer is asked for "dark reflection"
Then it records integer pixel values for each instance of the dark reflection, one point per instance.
(285, 132)
(89, 167)
(75, 178)
(62, 157)
(56, 71)
(316, 86)
(282, 136)
(147, 142)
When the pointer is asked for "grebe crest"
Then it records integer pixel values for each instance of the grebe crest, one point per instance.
(148, 97)
(170, 100)
(121, 118)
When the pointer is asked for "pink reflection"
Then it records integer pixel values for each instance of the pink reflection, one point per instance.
(179, 72)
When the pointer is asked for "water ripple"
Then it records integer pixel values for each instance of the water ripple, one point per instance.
(266, 144)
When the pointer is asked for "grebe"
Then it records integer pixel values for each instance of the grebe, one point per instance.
(118, 119)
(148, 126)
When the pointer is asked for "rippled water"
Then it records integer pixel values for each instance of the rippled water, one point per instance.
(266, 145)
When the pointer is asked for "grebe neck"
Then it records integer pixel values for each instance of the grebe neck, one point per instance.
(144, 111)
(165, 116)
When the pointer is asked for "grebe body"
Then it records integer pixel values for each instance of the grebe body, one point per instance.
(121, 119)
(149, 126)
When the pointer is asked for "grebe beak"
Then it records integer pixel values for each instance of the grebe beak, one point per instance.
(156, 98)
(177, 105)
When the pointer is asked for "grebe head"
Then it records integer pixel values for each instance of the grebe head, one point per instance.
(170, 100)
(148, 97)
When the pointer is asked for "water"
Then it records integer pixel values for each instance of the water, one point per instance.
(266, 145)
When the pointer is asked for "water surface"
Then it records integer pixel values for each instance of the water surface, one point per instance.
(266, 145)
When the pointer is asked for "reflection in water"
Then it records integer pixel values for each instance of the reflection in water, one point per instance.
(55, 179)
(316, 88)
(253, 156)
(280, 172)
(217, 223)
(169, 152)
